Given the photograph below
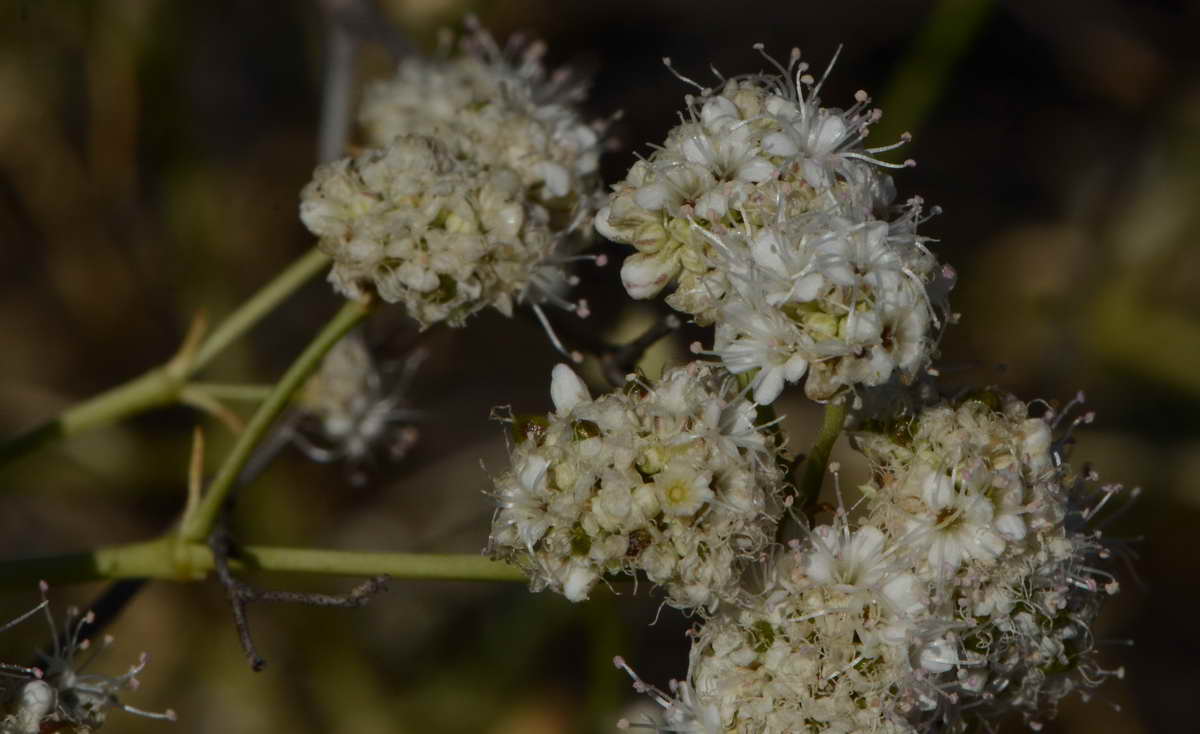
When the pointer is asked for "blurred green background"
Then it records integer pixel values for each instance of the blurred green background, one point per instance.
(151, 154)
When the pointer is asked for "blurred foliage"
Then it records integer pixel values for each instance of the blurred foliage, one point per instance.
(150, 159)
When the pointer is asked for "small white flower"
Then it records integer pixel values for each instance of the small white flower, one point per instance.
(682, 491)
(761, 340)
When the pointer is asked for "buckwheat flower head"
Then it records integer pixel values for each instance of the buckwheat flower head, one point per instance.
(823, 647)
(996, 522)
(442, 235)
(775, 223)
(669, 478)
(60, 695)
(960, 588)
(350, 413)
(500, 107)
(757, 150)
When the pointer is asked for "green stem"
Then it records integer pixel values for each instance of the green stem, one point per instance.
(921, 79)
(259, 305)
(1159, 345)
(249, 393)
(808, 489)
(152, 389)
(162, 385)
(166, 558)
(606, 634)
(197, 524)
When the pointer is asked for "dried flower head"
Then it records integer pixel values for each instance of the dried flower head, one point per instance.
(60, 694)
(670, 478)
(353, 412)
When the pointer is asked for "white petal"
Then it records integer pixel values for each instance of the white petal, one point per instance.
(988, 544)
(939, 656)
(937, 489)
(713, 204)
(697, 149)
(820, 567)
(816, 175)
(829, 135)
(808, 287)
(645, 275)
(532, 473)
(556, 178)
(653, 197)
(566, 389)
(795, 368)
(604, 228)
(780, 144)
(1011, 526)
(904, 594)
(579, 580)
(716, 108)
(765, 249)
(756, 170)
(865, 546)
(769, 386)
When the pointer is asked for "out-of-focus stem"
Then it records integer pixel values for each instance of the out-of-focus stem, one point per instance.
(1143, 338)
(259, 305)
(197, 524)
(813, 473)
(229, 391)
(162, 385)
(921, 78)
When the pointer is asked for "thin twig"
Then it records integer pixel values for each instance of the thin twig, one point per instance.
(349, 23)
(363, 20)
(241, 594)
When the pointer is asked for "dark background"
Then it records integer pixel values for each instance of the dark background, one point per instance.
(151, 154)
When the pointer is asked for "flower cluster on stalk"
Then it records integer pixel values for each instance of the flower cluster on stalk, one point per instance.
(479, 176)
(776, 223)
(670, 478)
(962, 583)
(962, 587)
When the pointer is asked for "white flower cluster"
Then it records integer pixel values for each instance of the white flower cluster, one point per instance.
(957, 593)
(671, 479)
(59, 695)
(994, 523)
(446, 237)
(499, 107)
(479, 171)
(773, 218)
